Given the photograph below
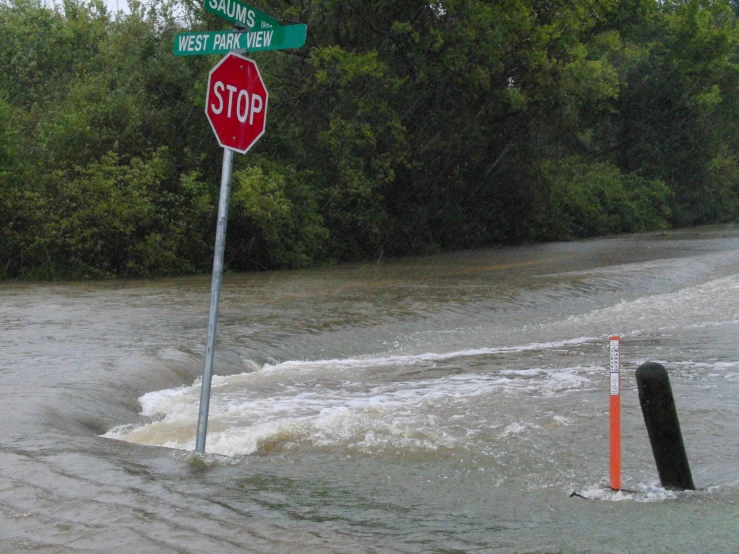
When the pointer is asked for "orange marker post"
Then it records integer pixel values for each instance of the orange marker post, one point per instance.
(615, 374)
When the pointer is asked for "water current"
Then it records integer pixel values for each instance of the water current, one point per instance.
(449, 403)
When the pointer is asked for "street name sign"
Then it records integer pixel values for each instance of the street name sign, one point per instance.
(241, 14)
(222, 42)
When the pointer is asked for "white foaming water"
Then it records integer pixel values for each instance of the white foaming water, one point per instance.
(337, 404)
(713, 303)
(643, 492)
(364, 363)
(349, 416)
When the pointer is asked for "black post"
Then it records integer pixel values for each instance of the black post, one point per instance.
(660, 415)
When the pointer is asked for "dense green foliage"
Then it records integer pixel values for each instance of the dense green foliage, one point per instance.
(403, 126)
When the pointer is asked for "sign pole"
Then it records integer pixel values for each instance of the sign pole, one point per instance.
(615, 411)
(215, 295)
(236, 108)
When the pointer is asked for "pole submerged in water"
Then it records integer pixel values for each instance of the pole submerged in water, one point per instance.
(615, 412)
(215, 295)
(660, 416)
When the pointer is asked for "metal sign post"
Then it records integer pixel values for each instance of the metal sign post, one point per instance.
(215, 295)
(236, 108)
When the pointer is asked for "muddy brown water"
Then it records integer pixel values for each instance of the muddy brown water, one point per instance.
(448, 403)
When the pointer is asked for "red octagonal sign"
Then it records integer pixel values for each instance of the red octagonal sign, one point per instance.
(236, 102)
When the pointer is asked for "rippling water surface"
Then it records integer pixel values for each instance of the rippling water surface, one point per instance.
(448, 403)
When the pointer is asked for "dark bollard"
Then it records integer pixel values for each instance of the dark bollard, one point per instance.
(660, 415)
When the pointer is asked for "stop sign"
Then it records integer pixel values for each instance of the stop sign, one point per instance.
(236, 102)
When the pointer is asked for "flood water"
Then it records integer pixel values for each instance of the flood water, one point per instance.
(449, 403)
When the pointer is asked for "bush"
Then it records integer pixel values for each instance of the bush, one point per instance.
(585, 199)
(273, 218)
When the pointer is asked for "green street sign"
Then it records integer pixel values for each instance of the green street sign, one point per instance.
(240, 14)
(221, 42)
